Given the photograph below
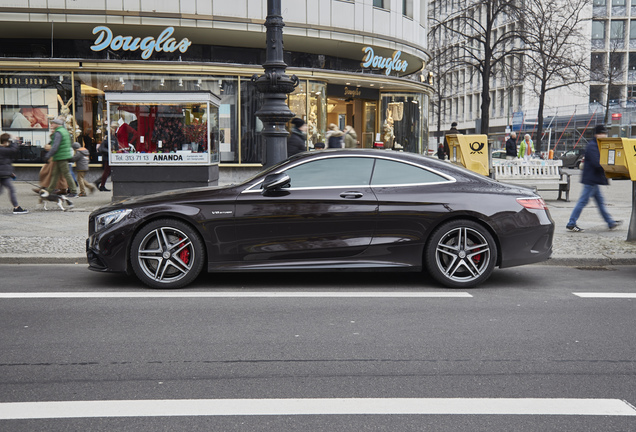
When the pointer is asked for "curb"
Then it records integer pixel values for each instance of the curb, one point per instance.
(557, 261)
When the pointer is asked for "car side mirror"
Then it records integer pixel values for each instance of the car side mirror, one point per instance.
(274, 182)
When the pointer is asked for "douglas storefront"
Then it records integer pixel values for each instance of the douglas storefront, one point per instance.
(378, 92)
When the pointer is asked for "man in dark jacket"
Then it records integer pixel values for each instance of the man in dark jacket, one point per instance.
(8, 150)
(593, 176)
(296, 143)
(452, 131)
(511, 146)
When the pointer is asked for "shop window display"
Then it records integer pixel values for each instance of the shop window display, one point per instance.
(163, 128)
(27, 102)
(402, 124)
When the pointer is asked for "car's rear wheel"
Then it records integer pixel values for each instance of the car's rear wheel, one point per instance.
(460, 254)
(167, 253)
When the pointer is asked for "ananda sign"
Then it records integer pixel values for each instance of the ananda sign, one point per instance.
(165, 42)
(388, 64)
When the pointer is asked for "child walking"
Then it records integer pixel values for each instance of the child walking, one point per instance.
(81, 158)
(7, 150)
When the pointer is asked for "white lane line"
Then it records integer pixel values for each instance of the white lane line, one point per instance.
(231, 294)
(606, 295)
(244, 407)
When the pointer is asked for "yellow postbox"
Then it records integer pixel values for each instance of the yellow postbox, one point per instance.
(470, 151)
(618, 157)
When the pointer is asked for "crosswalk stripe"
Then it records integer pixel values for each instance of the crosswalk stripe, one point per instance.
(353, 406)
(606, 295)
(235, 294)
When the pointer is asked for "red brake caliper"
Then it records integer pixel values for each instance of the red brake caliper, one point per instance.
(184, 255)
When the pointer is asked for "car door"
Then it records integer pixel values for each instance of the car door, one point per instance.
(410, 198)
(328, 212)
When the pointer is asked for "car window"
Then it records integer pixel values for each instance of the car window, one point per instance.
(334, 171)
(389, 172)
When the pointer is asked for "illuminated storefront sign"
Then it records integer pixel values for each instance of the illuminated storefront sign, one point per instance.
(147, 45)
(388, 64)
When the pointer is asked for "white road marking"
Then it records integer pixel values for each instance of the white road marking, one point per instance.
(244, 407)
(606, 295)
(231, 294)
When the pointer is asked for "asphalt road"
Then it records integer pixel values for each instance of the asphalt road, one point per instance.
(528, 334)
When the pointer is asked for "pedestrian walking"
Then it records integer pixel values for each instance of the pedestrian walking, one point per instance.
(335, 137)
(526, 148)
(350, 137)
(61, 153)
(452, 131)
(511, 146)
(8, 150)
(441, 152)
(593, 176)
(81, 158)
(297, 140)
(103, 150)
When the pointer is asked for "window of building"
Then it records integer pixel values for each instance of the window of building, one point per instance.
(616, 93)
(407, 8)
(617, 30)
(597, 65)
(596, 94)
(378, 3)
(598, 30)
(600, 2)
(632, 62)
(617, 64)
(615, 3)
(632, 30)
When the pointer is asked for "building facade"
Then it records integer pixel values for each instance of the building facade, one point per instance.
(513, 100)
(359, 63)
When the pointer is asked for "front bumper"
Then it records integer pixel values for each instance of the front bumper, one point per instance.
(107, 250)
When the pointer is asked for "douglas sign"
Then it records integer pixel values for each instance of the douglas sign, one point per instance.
(147, 45)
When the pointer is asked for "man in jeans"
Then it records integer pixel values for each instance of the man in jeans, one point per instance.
(593, 176)
(61, 152)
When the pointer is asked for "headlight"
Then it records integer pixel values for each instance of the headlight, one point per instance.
(107, 219)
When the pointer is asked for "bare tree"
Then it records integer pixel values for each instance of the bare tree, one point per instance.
(441, 66)
(484, 41)
(554, 56)
(613, 73)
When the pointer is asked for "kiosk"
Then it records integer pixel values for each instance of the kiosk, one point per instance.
(162, 141)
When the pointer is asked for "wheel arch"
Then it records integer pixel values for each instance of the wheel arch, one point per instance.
(155, 217)
(465, 216)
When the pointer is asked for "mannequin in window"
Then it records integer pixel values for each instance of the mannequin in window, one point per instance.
(126, 134)
(388, 132)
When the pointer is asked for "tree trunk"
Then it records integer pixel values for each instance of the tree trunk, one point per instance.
(485, 100)
(538, 146)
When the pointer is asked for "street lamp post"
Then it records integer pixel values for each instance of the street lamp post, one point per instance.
(275, 85)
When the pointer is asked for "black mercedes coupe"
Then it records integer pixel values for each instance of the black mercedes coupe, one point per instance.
(328, 210)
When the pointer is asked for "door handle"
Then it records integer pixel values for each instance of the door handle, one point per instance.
(351, 194)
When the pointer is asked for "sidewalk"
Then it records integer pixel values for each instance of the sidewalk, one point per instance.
(54, 236)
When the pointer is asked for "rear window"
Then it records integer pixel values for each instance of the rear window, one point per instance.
(390, 172)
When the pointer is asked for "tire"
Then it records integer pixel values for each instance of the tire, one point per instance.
(167, 253)
(460, 254)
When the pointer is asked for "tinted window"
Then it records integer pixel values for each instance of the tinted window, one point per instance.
(389, 172)
(336, 171)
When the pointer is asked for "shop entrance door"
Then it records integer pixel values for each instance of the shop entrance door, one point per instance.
(360, 113)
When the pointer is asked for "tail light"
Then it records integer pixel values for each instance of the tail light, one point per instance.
(533, 203)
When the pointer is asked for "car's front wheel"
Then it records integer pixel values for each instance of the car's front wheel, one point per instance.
(460, 254)
(167, 253)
